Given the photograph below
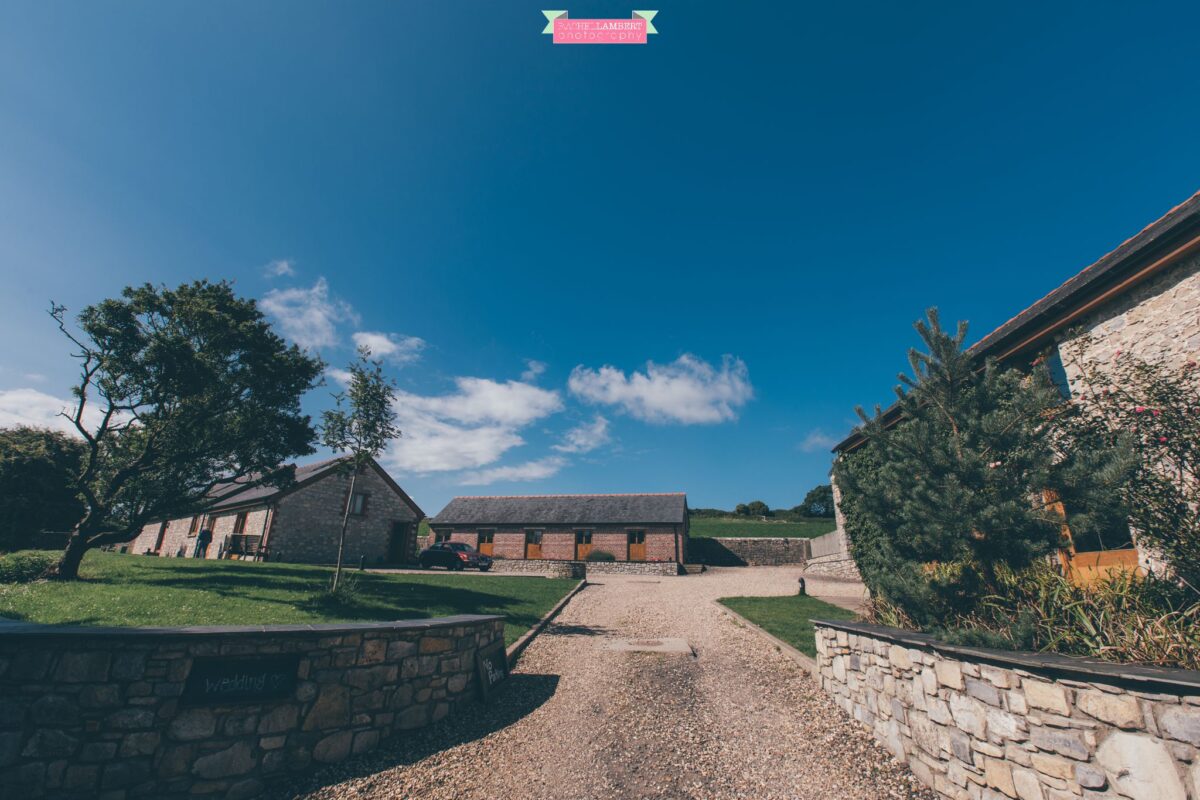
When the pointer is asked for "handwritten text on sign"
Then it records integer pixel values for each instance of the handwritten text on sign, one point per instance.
(238, 680)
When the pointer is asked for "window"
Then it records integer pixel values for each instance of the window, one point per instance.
(533, 537)
(583, 537)
(1058, 373)
(441, 536)
(487, 537)
(239, 523)
(195, 526)
(358, 504)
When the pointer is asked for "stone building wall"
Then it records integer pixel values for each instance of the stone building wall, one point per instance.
(988, 725)
(101, 712)
(308, 520)
(558, 544)
(1158, 320)
(549, 569)
(741, 552)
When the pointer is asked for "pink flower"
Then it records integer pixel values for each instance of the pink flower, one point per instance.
(1139, 409)
(1156, 412)
(1162, 439)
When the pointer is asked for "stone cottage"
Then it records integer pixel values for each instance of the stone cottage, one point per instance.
(631, 527)
(1142, 299)
(298, 523)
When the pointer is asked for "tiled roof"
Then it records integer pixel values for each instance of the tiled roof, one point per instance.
(566, 509)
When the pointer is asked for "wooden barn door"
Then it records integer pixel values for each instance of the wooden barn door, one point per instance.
(637, 545)
(533, 544)
(583, 544)
(487, 542)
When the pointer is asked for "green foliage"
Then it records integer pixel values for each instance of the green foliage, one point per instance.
(741, 509)
(958, 490)
(757, 508)
(361, 425)
(179, 390)
(128, 590)
(818, 502)
(25, 565)
(36, 466)
(1153, 410)
(600, 555)
(789, 617)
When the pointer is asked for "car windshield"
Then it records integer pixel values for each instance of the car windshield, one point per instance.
(459, 546)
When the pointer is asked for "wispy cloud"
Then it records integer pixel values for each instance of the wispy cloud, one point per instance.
(529, 471)
(816, 440)
(41, 410)
(585, 438)
(469, 428)
(309, 317)
(280, 268)
(532, 370)
(688, 391)
(391, 347)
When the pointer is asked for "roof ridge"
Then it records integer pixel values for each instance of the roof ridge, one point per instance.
(539, 496)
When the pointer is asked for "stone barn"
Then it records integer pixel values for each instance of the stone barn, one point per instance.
(298, 523)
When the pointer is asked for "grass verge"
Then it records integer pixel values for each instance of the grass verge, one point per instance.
(742, 528)
(788, 618)
(128, 590)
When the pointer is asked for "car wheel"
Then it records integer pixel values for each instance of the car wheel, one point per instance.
(484, 567)
(458, 565)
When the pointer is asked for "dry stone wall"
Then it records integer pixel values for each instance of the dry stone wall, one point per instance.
(106, 712)
(741, 552)
(979, 724)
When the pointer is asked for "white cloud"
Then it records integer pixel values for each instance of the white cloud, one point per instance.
(341, 376)
(390, 346)
(468, 429)
(529, 471)
(279, 268)
(532, 370)
(41, 410)
(688, 391)
(585, 438)
(309, 317)
(816, 440)
(35, 377)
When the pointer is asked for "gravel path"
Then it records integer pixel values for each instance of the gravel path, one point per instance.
(737, 720)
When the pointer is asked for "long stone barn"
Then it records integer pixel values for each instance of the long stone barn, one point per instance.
(630, 527)
(299, 523)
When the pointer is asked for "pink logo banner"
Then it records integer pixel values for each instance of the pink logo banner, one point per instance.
(599, 31)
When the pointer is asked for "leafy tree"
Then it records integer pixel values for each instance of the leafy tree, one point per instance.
(757, 508)
(179, 390)
(818, 502)
(742, 510)
(361, 426)
(964, 488)
(36, 494)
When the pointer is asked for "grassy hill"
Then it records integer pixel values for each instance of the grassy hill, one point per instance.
(750, 527)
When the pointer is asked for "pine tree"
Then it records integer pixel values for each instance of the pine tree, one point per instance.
(963, 486)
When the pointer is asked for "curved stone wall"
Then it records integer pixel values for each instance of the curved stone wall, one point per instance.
(976, 724)
(218, 712)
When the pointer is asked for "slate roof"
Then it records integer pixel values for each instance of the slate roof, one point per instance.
(566, 509)
(235, 493)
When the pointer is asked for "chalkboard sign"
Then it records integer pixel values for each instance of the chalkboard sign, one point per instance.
(491, 663)
(214, 681)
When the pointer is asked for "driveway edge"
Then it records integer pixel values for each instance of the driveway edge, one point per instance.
(518, 647)
(808, 663)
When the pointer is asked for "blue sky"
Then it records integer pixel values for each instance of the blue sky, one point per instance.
(709, 248)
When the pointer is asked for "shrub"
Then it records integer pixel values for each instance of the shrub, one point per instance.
(600, 555)
(24, 566)
(347, 595)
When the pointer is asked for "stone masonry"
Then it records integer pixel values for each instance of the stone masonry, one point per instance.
(96, 712)
(989, 725)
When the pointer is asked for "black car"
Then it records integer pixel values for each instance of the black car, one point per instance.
(454, 555)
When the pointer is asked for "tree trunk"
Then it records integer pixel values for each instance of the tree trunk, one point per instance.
(67, 568)
(337, 571)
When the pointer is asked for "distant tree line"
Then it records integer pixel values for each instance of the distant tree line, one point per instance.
(817, 503)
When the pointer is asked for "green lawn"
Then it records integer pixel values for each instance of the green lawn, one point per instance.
(788, 618)
(709, 527)
(128, 590)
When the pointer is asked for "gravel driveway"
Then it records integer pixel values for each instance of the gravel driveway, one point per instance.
(737, 720)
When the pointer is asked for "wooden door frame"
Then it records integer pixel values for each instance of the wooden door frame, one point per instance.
(629, 544)
(539, 533)
(580, 556)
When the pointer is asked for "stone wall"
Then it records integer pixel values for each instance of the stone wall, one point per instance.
(595, 568)
(990, 725)
(550, 569)
(102, 712)
(739, 552)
